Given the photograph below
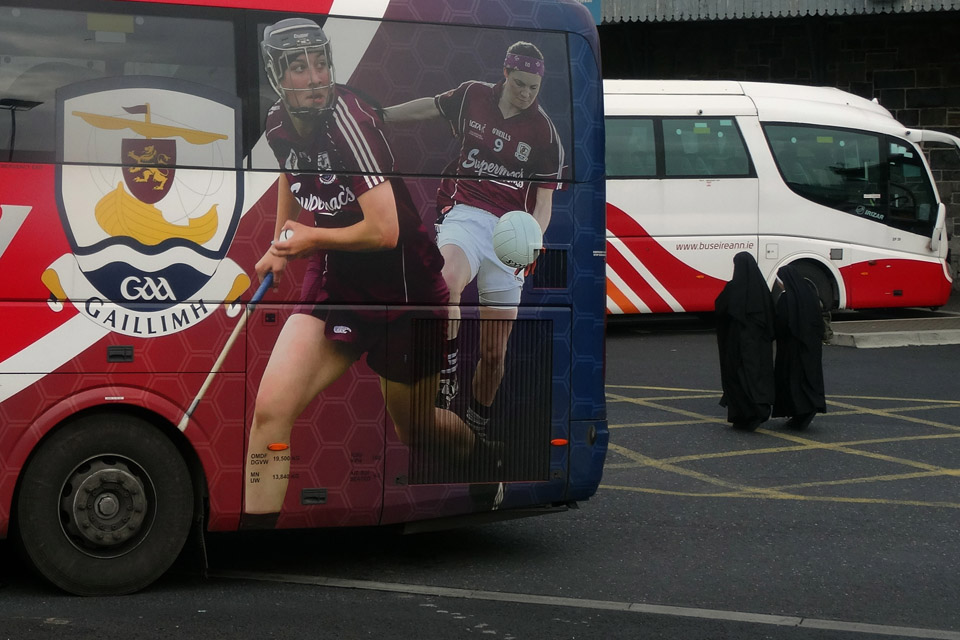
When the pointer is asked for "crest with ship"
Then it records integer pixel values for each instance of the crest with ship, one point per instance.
(132, 214)
(150, 195)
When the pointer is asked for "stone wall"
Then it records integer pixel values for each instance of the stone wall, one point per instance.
(909, 62)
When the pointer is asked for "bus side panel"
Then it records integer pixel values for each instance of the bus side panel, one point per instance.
(645, 276)
(895, 283)
(337, 442)
(530, 424)
(698, 226)
(585, 212)
(29, 415)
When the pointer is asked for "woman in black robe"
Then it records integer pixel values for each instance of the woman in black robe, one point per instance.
(799, 363)
(745, 319)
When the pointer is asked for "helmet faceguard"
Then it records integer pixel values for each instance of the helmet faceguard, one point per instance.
(298, 41)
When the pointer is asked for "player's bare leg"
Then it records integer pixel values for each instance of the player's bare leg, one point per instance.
(456, 273)
(417, 419)
(302, 364)
(494, 335)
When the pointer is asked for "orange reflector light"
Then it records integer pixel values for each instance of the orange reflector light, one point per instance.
(278, 446)
(559, 442)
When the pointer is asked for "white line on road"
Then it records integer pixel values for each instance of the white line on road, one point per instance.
(630, 607)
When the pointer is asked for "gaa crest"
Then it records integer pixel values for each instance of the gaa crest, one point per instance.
(150, 196)
(523, 152)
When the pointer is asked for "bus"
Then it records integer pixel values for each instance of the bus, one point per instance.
(224, 304)
(698, 171)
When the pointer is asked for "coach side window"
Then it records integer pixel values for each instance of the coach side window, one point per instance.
(865, 174)
(702, 147)
(837, 168)
(631, 149)
(43, 50)
(913, 204)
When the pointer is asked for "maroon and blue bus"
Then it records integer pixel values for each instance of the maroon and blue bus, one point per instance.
(143, 182)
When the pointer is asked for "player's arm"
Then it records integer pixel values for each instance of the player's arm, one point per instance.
(378, 230)
(287, 209)
(419, 109)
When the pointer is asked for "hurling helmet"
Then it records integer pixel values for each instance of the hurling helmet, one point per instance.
(287, 40)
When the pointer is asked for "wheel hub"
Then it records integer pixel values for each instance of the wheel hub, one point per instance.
(105, 504)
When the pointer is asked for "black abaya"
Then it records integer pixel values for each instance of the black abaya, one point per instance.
(799, 362)
(745, 332)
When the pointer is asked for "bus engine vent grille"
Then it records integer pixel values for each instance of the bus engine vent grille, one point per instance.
(551, 271)
(514, 444)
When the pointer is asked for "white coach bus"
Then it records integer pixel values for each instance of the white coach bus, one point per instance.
(698, 171)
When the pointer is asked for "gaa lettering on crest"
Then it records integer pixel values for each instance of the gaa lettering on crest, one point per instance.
(134, 288)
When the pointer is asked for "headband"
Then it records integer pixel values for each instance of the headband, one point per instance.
(523, 63)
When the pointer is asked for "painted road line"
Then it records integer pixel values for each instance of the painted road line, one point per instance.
(604, 605)
(779, 495)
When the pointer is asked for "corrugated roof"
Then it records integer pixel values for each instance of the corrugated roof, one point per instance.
(679, 10)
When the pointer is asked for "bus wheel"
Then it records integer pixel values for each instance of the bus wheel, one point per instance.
(821, 282)
(105, 505)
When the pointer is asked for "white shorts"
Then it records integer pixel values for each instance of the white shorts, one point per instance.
(471, 229)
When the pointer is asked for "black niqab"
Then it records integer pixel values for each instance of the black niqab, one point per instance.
(799, 362)
(745, 332)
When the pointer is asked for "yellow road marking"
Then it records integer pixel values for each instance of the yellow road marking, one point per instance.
(645, 388)
(932, 400)
(886, 478)
(665, 423)
(737, 490)
(657, 464)
(784, 496)
(799, 447)
(888, 414)
(717, 392)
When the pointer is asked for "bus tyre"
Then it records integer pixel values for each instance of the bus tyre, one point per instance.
(821, 282)
(105, 505)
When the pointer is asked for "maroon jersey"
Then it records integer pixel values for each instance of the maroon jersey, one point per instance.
(498, 156)
(346, 156)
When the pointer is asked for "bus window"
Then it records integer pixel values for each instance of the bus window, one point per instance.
(913, 204)
(45, 49)
(837, 168)
(864, 174)
(383, 63)
(631, 149)
(698, 147)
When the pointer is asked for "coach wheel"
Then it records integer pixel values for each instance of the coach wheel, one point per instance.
(821, 283)
(105, 505)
